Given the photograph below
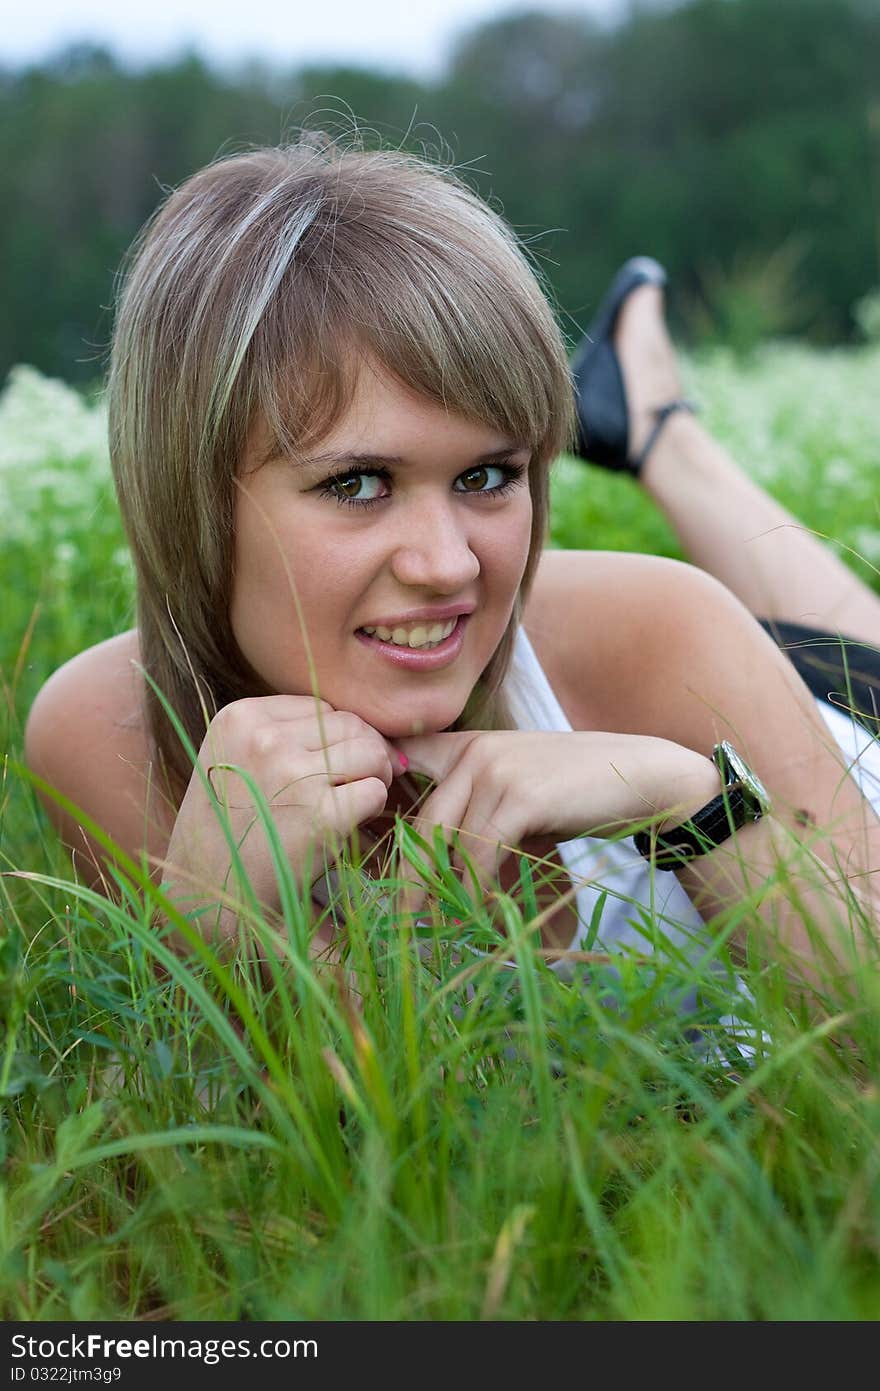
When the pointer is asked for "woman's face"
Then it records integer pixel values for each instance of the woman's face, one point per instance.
(404, 518)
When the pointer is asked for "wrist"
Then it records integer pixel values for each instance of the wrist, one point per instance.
(682, 781)
(742, 798)
(698, 781)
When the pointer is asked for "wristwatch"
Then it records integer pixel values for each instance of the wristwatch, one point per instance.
(743, 798)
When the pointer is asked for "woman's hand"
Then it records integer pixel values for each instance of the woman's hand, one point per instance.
(494, 788)
(322, 771)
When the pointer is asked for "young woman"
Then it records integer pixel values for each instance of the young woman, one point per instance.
(336, 390)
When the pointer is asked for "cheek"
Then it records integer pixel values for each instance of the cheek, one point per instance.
(268, 571)
(285, 568)
(510, 548)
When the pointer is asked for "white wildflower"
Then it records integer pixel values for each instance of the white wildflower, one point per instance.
(65, 554)
(44, 420)
(865, 541)
(54, 461)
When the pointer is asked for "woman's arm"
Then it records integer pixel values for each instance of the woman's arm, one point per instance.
(712, 674)
(658, 663)
(85, 737)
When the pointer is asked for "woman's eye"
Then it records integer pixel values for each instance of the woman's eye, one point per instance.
(477, 480)
(358, 487)
(364, 488)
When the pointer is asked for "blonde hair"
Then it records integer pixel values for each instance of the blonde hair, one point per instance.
(253, 291)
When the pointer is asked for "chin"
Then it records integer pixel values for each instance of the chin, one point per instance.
(405, 724)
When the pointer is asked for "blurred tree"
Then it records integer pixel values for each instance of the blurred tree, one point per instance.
(754, 114)
(520, 101)
(714, 134)
(86, 147)
(717, 134)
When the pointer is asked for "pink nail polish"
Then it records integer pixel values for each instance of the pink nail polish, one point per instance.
(403, 759)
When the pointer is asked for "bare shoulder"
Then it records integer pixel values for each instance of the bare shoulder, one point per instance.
(639, 644)
(94, 697)
(644, 644)
(590, 571)
(600, 623)
(86, 737)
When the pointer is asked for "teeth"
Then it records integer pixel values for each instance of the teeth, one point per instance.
(419, 636)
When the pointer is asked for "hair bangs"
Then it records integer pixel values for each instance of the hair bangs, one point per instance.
(447, 305)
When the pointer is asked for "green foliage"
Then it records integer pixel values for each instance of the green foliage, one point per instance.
(802, 422)
(470, 1142)
(756, 300)
(866, 312)
(181, 1139)
(711, 133)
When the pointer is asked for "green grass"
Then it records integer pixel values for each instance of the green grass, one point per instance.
(181, 1140)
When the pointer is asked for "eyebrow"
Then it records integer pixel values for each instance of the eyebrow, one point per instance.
(335, 459)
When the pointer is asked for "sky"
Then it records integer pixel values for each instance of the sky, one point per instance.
(399, 35)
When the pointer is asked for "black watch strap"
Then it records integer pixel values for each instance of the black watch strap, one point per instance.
(706, 829)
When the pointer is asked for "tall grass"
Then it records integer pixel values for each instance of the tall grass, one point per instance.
(420, 1131)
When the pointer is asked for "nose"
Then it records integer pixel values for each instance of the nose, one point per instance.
(433, 549)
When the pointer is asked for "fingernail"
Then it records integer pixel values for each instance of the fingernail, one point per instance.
(404, 761)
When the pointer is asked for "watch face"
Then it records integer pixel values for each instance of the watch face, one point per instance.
(733, 767)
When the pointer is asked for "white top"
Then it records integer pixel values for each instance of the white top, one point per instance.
(613, 868)
(859, 747)
(617, 867)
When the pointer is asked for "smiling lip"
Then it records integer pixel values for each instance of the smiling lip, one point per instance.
(414, 658)
(435, 615)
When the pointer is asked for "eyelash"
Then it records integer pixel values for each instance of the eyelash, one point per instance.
(514, 474)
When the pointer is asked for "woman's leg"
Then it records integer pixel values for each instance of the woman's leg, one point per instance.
(725, 522)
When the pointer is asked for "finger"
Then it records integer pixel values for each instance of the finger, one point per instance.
(349, 804)
(479, 831)
(340, 725)
(436, 754)
(356, 758)
(250, 739)
(443, 814)
(399, 761)
(348, 761)
(285, 708)
(319, 732)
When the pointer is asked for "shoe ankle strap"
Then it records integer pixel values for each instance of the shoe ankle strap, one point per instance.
(661, 415)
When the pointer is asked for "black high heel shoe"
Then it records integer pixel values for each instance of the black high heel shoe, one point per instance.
(600, 394)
